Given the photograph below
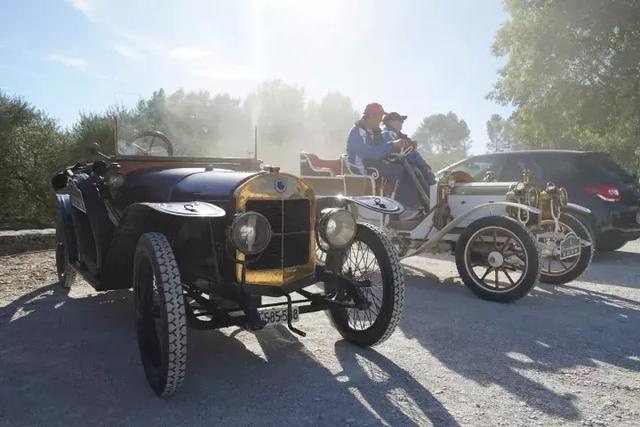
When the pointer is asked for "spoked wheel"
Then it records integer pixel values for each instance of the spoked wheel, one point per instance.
(373, 266)
(66, 273)
(160, 314)
(497, 259)
(555, 270)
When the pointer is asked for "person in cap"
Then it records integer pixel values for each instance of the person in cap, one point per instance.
(392, 131)
(366, 148)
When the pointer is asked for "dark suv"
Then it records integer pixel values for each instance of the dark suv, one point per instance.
(592, 180)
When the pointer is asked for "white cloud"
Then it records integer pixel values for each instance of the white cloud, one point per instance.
(189, 53)
(87, 7)
(126, 51)
(69, 61)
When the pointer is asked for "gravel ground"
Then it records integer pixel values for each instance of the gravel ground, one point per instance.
(563, 355)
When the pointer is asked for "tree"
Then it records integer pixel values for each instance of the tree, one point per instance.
(443, 134)
(573, 74)
(443, 139)
(500, 132)
(32, 148)
(327, 125)
(278, 110)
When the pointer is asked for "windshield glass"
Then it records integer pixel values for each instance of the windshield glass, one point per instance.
(180, 133)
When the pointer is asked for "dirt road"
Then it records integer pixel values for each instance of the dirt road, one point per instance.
(563, 355)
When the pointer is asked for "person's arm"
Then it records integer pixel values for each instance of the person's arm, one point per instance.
(357, 144)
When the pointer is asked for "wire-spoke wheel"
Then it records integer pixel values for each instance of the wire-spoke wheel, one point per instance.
(160, 314)
(555, 270)
(497, 259)
(372, 265)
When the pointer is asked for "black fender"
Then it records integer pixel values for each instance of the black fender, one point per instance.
(140, 218)
(380, 204)
(67, 231)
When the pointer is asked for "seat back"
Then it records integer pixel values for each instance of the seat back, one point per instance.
(312, 165)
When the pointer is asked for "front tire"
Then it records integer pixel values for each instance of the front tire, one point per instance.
(372, 262)
(497, 259)
(160, 314)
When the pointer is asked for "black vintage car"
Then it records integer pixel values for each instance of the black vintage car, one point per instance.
(215, 242)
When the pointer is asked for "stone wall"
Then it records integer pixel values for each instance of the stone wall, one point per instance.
(14, 241)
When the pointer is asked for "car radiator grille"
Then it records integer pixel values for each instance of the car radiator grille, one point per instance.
(290, 224)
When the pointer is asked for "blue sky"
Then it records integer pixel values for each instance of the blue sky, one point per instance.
(415, 57)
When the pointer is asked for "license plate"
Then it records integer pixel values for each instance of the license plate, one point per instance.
(570, 246)
(273, 316)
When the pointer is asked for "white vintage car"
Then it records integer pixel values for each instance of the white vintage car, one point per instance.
(505, 235)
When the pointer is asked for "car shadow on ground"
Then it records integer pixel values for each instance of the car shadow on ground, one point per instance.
(550, 331)
(75, 361)
(613, 269)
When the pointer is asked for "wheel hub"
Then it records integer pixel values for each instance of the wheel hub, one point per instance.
(495, 259)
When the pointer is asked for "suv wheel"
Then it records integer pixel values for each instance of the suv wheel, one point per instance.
(610, 243)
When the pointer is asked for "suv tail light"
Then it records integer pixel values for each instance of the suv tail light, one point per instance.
(606, 192)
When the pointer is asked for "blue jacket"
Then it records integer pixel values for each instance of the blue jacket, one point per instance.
(389, 135)
(361, 147)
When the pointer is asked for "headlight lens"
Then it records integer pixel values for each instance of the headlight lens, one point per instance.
(250, 232)
(337, 227)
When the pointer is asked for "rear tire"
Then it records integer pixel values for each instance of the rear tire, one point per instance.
(370, 255)
(587, 222)
(576, 267)
(66, 273)
(160, 314)
(496, 245)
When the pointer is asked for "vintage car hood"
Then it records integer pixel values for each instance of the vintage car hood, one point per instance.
(182, 184)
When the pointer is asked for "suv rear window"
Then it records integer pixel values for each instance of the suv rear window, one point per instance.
(603, 167)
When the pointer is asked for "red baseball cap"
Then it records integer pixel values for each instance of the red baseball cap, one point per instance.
(374, 108)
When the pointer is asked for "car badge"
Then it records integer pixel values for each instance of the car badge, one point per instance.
(280, 186)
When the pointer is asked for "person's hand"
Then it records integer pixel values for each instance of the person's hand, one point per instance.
(409, 145)
(399, 144)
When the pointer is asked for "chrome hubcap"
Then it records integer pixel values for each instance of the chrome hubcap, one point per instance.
(495, 259)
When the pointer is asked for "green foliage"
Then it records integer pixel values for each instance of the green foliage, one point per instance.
(501, 134)
(32, 148)
(278, 110)
(573, 74)
(443, 134)
(327, 125)
(198, 123)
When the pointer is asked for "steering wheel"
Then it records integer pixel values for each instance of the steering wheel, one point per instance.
(399, 155)
(155, 135)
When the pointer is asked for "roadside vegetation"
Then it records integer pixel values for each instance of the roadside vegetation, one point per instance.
(572, 76)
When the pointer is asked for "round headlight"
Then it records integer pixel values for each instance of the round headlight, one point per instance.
(250, 232)
(337, 227)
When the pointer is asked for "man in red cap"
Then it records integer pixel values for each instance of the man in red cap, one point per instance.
(366, 148)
